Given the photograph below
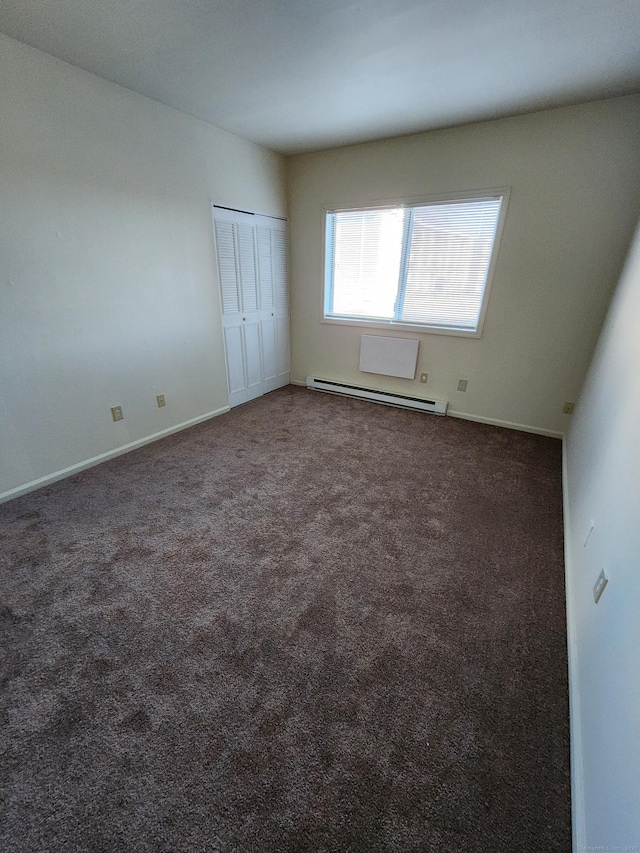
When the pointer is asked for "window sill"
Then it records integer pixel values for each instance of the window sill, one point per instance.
(392, 326)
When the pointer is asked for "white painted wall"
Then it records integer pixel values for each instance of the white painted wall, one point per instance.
(107, 285)
(603, 483)
(574, 202)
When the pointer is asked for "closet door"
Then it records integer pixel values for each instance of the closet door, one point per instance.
(227, 255)
(271, 236)
(264, 239)
(245, 236)
(252, 253)
(281, 289)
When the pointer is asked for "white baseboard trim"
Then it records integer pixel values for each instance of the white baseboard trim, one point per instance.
(104, 457)
(577, 779)
(481, 420)
(507, 424)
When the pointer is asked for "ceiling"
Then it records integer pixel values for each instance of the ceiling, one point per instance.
(299, 75)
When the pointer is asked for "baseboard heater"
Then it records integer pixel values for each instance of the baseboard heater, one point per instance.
(436, 407)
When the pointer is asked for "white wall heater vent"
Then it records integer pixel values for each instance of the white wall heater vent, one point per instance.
(436, 407)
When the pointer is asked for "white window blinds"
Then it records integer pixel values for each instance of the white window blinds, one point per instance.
(422, 265)
(367, 251)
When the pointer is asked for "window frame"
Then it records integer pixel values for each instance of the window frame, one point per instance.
(417, 201)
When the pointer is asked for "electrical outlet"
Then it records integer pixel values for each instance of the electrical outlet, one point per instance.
(161, 401)
(462, 385)
(567, 409)
(116, 413)
(423, 378)
(599, 585)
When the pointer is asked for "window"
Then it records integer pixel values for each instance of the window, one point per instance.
(424, 265)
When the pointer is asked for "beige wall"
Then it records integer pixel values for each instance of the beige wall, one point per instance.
(602, 485)
(573, 175)
(107, 287)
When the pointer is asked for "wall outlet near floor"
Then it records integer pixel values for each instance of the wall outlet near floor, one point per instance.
(599, 585)
(116, 413)
(423, 378)
(161, 401)
(567, 409)
(462, 385)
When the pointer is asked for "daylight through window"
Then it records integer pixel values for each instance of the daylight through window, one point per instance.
(421, 265)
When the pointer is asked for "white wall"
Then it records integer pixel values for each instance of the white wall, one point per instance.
(603, 484)
(107, 286)
(574, 201)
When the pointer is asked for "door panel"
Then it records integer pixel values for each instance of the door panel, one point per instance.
(247, 264)
(235, 358)
(280, 267)
(265, 267)
(269, 357)
(226, 250)
(282, 339)
(252, 354)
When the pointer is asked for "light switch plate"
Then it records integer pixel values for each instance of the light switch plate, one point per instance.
(599, 585)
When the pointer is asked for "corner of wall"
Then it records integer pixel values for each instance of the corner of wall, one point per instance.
(577, 782)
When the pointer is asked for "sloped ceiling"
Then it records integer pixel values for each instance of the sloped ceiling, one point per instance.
(298, 75)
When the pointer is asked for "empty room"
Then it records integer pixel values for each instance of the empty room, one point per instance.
(320, 393)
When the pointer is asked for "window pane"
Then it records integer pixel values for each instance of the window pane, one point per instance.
(367, 249)
(449, 257)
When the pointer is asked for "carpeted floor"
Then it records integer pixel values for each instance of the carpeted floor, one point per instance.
(312, 624)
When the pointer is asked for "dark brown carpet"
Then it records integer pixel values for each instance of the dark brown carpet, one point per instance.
(312, 624)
